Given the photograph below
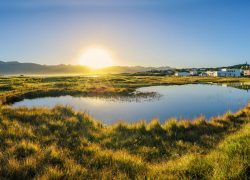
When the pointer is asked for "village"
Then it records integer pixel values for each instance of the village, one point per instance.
(223, 72)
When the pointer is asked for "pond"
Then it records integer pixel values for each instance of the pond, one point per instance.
(180, 101)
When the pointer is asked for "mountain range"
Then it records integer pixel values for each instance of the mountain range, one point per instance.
(17, 68)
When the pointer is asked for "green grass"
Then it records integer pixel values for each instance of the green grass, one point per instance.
(60, 143)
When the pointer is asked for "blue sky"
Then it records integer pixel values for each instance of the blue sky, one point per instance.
(190, 33)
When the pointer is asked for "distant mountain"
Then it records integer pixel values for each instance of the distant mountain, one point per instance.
(131, 69)
(17, 68)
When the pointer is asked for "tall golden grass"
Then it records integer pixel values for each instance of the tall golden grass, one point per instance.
(60, 143)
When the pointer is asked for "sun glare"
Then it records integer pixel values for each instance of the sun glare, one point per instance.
(96, 58)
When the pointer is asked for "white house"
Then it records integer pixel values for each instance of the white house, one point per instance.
(229, 73)
(193, 73)
(225, 73)
(212, 73)
(182, 74)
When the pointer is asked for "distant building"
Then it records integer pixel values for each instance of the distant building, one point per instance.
(203, 74)
(246, 72)
(229, 73)
(182, 74)
(225, 73)
(212, 73)
(193, 73)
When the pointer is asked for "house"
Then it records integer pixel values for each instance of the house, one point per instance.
(246, 72)
(193, 73)
(182, 74)
(212, 73)
(225, 73)
(203, 74)
(229, 73)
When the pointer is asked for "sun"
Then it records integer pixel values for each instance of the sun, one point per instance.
(96, 58)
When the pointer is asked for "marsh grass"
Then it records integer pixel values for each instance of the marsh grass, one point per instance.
(14, 89)
(59, 143)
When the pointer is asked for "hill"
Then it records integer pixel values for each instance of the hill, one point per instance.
(14, 68)
(240, 66)
(132, 69)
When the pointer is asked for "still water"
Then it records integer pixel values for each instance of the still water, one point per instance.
(185, 101)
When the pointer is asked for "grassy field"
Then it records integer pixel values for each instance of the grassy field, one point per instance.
(60, 143)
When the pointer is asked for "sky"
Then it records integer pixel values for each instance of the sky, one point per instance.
(183, 33)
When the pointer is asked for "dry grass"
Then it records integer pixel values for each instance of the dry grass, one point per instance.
(60, 143)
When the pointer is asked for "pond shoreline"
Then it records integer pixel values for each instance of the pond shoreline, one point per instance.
(11, 95)
(162, 102)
